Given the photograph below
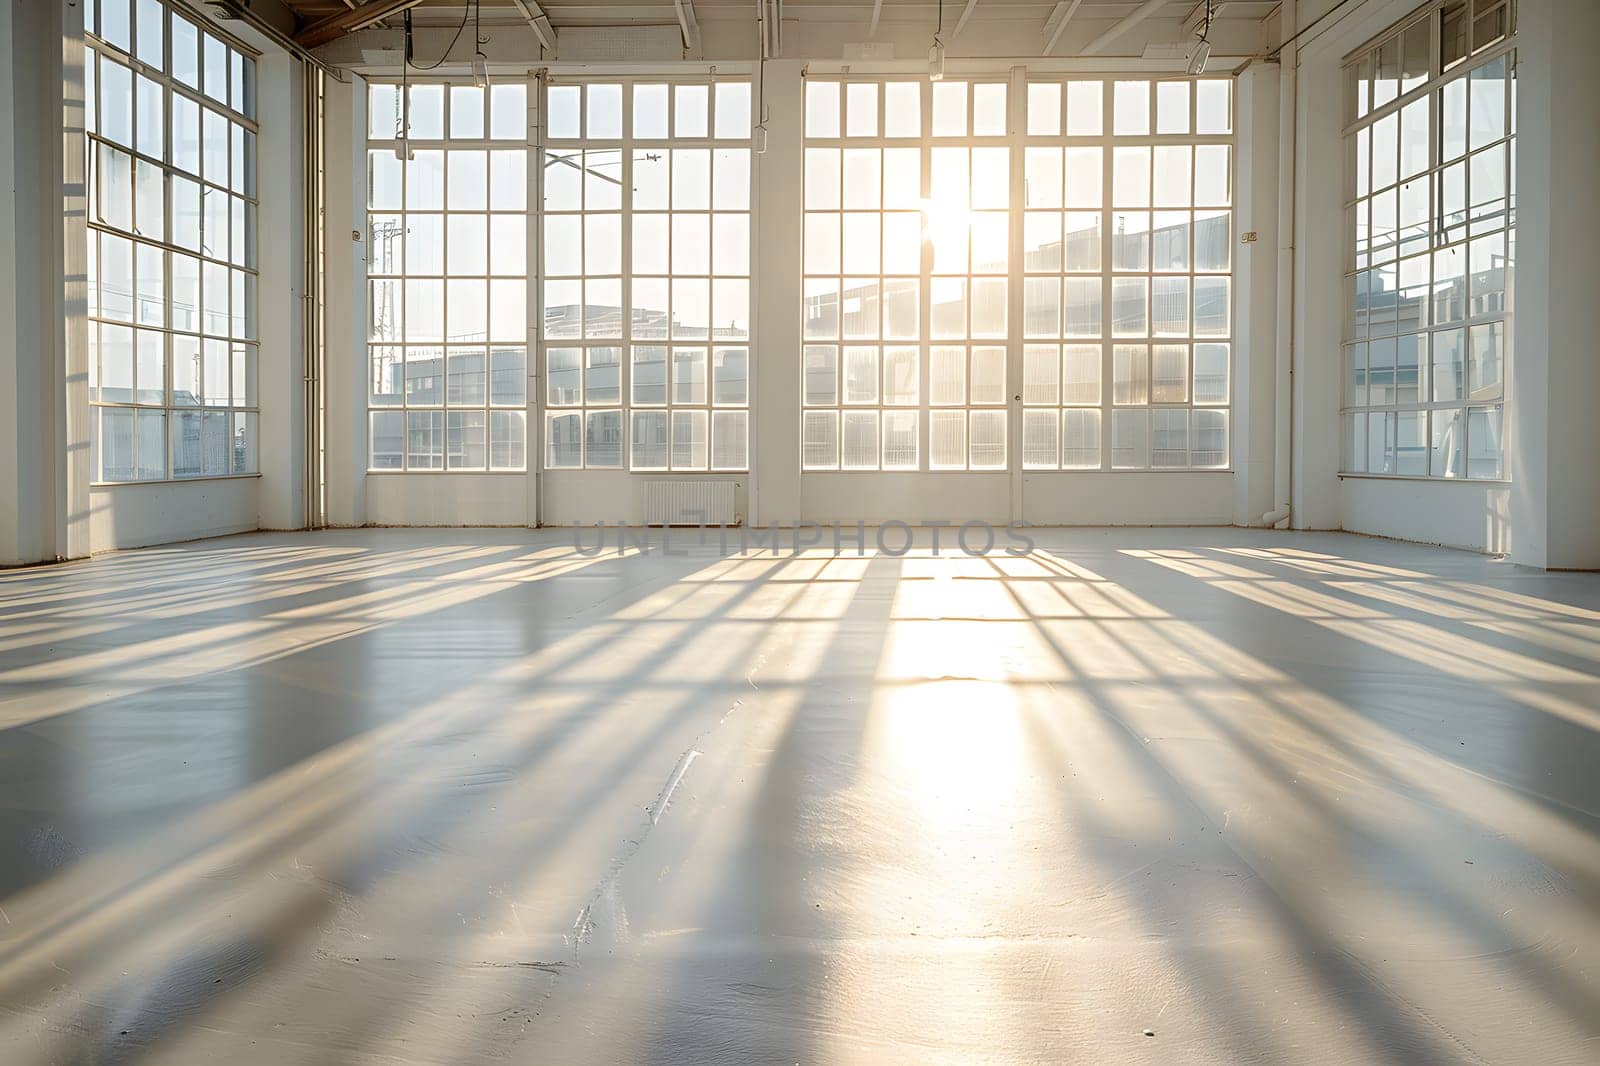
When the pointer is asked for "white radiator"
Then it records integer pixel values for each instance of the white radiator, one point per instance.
(678, 502)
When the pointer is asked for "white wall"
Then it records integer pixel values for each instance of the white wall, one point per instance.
(1474, 516)
(1553, 440)
(156, 512)
(44, 450)
(401, 499)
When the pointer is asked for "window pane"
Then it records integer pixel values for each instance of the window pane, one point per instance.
(507, 440)
(650, 112)
(1044, 109)
(466, 444)
(819, 440)
(603, 438)
(902, 106)
(988, 440)
(563, 120)
(729, 440)
(508, 112)
(690, 440)
(649, 374)
(1085, 108)
(730, 375)
(1131, 108)
(822, 109)
(1040, 440)
(1080, 439)
(649, 440)
(466, 112)
(563, 441)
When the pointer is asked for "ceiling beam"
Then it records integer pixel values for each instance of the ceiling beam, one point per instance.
(961, 23)
(1129, 21)
(540, 23)
(335, 26)
(688, 24)
(1057, 22)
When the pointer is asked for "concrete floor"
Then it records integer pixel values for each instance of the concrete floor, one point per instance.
(391, 796)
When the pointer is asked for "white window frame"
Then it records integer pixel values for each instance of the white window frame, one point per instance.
(920, 408)
(227, 93)
(1445, 444)
(730, 416)
(1138, 347)
(494, 426)
(1014, 343)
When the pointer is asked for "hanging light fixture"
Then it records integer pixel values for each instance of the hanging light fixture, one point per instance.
(480, 62)
(402, 137)
(936, 51)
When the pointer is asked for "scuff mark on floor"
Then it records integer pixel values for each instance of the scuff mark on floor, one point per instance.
(605, 907)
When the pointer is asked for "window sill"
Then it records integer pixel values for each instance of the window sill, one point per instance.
(174, 481)
(1423, 479)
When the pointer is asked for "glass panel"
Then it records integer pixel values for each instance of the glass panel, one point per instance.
(900, 440)
(859, 449)
(649, 440)
(902, 107)
(1085, 108)
(1040, 440)
(602, 438)
(1080, 439)
(1131, 109)
(649, 374)
(507, 440)
(1130, 439)
(733, 109)
(819, 440)
(729, 440)
(465, 443)
(1448, 444)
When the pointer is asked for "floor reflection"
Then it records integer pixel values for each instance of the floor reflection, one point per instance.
(457, 795)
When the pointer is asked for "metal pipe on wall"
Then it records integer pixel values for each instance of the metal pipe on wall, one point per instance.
(313, 349)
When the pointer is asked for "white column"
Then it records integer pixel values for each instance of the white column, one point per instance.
(1256, 196)
(345, 297)
(44, 408)
(1318, 250)
(1553, 436)
(280, 182)
(775, 407)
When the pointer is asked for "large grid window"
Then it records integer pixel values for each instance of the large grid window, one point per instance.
(1127, 238)
(906, 263)
(1430, 224)
(448, 277)
(169, 110)
(646, 252)
(1123, 258)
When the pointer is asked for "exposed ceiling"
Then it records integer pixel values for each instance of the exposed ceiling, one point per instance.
(322, 21)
